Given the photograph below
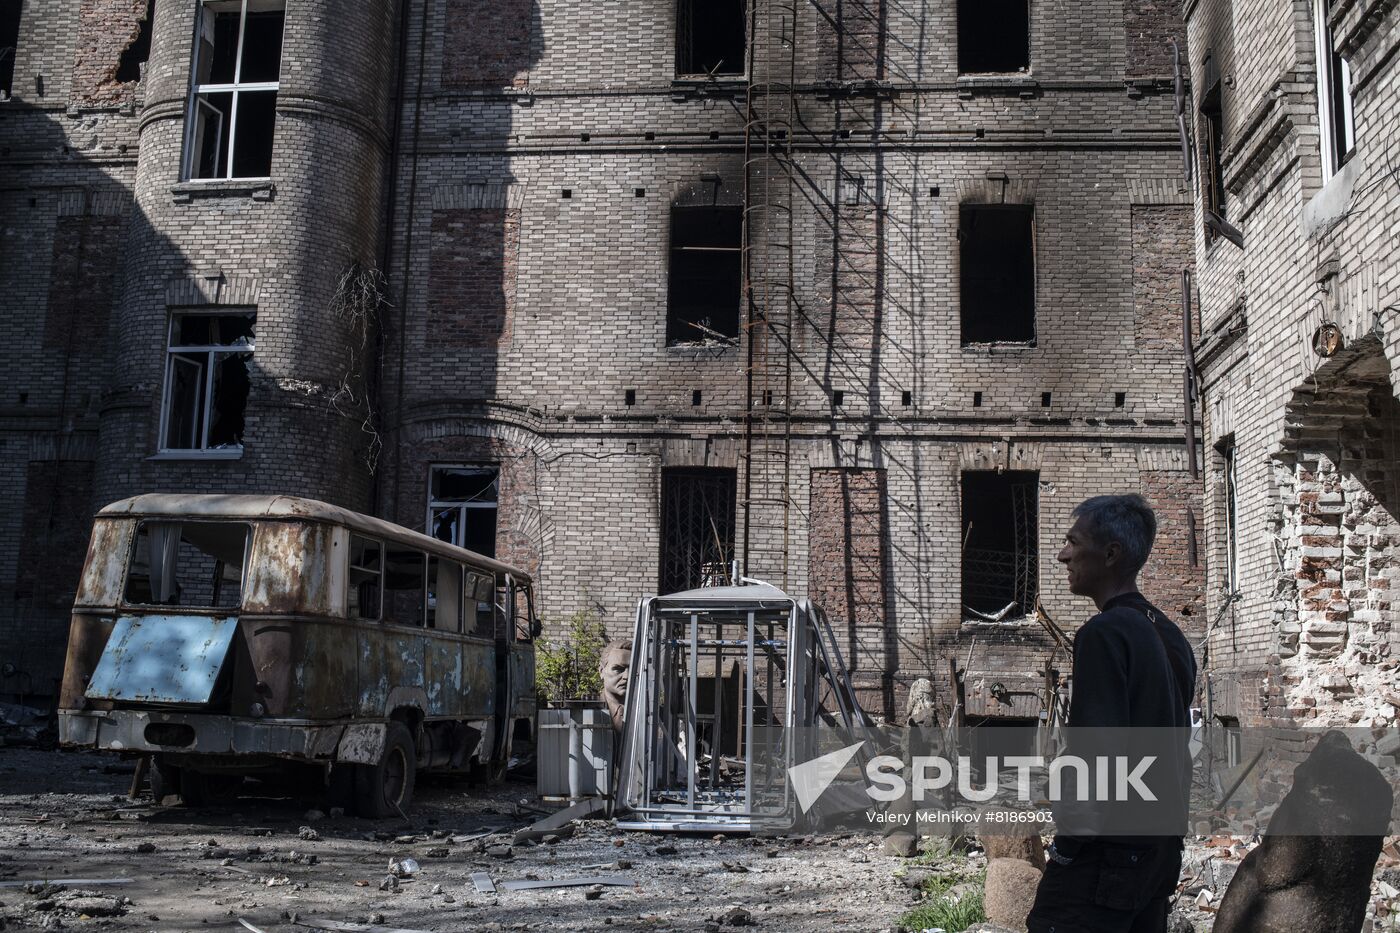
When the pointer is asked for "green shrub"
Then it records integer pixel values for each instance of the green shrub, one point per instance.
(943, 912)
(566, 667)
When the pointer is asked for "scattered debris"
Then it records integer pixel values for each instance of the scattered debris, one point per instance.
(343, 927)
(403, 868)
(483, 882)
(602, 880)
(308, 834)
(67, 881)
(249, 926)
(559, 823)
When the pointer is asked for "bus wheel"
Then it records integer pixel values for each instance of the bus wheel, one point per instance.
(385, 789)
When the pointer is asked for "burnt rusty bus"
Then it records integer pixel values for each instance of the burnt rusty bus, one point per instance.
(235, 636)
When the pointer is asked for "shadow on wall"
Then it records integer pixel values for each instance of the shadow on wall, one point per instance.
(453, 261)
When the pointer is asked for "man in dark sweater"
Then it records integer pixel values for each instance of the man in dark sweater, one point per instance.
(1133, 670)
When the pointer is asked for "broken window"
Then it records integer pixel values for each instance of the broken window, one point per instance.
(1000, 534)
(366, 576)
(1213, 141)
(710, 37)
(997, 258)
(481, 594)
(994, 36)
(1231, 503)
(462, 505)
(697, 527)
(206, 380)
(9, 42)
(136, 54)
(1333, 95)
(404, 586)
(705, 274)
(237, 65)
(193, 564)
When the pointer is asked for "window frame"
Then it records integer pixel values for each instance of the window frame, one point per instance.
(206, 398)
(682, 52)
(132, 547)
(236, 88)
(1336, 143)
(435, 505)
(1230, 502)
(350, 583)
(679, 330)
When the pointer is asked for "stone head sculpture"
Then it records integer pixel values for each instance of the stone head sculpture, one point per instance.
(613, 666)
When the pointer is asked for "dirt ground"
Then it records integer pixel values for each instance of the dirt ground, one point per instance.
(66, 816)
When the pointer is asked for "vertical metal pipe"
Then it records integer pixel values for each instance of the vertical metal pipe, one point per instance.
(575, 756)
(692, 758)
(748, 716)
(1188, 349)
(717, 728)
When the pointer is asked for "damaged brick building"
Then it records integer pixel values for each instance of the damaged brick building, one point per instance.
(1293, 125)
(864, 296)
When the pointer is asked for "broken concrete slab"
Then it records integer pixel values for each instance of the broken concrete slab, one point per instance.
(483, 883)
(560, 823)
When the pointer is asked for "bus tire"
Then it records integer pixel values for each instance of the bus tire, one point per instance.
(386, 789)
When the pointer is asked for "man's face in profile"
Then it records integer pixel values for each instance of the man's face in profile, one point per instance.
(1086, 564)
(616, 660)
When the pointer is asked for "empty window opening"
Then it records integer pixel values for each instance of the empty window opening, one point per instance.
(1232, 740)
(404, 589)
(135, 55)
(933, 192)
(365, 578)
(1213, 142)
(997, 256)
(481, 603)
(697, 527)
(1045, 399)
(207, 380)
(767, 398)
(993, 36)
(9, 43)
(462, 506)
(1000, 534)
(1333, 95)
(976, 399)
(639, 192)
(629, 397)
(705, 275)
(1231, 506)
(444, 594)
(566, 193)
(710, 37)
(237, 65)
(1120, 399)
(195, 564)
(906, 398)
(695, 397)
(838, 398)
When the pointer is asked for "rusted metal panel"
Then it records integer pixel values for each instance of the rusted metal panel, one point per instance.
(162, 659)
(105, 568)
(292, 569)
(323, 670)
(479, 664)
(444, 684)
(362, 743)
(87, 636)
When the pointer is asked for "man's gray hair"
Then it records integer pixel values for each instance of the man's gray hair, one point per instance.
(1126, 519)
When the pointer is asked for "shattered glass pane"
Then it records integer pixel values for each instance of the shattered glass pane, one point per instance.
(222, 330)
(464, 485)
(230, 398)
(184, 426)
(196, 564)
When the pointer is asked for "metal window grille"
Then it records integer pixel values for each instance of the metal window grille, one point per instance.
(697, 527)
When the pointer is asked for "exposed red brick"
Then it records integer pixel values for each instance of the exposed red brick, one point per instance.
(1150, 25)
(1169, 579)
(1161, 240)
(487, 44)
(105, 29)
(847, 555)
(471, 295)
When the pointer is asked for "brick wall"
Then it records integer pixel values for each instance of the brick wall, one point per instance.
(1170, 579)
(471, 294)
(1161, 240)
(1150, 27)
(487, 43)
(106, 28)
(54, 538)
(846, 554)
(87, 253)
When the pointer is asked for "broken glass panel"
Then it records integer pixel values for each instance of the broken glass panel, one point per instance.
(193, 564)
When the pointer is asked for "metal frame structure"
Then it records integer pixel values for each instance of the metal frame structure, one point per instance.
(674, 774)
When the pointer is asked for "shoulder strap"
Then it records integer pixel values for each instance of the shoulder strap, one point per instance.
(1184, 682)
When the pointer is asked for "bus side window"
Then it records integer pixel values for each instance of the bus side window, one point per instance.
(444, 594)
(364, 578)
(403, 586)
(522, 614)
(482, 597)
